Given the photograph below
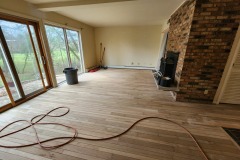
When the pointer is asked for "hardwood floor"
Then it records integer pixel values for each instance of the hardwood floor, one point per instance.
(105, 103)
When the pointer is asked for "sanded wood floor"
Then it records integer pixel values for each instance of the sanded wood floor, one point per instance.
(107, 102)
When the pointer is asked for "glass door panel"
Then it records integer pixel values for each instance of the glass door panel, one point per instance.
(58, 51)
(74, 49)
(8, 75)
(22, 54)
(41, 63)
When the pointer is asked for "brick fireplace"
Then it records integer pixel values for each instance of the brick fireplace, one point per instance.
(203, 32)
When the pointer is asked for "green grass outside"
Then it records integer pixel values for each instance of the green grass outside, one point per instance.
(31, 70)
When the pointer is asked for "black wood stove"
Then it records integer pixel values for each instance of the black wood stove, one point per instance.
(167, 69)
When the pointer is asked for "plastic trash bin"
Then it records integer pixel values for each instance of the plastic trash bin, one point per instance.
(165, 82)
(71, 75)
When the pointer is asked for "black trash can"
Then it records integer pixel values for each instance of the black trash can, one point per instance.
(71, 75)
(165, 82)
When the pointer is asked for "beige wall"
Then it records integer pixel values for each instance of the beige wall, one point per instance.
(22, 7)
(129, 46)
(165, 27)
(88, 40)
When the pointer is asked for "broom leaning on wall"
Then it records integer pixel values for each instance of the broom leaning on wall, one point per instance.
(102, 53)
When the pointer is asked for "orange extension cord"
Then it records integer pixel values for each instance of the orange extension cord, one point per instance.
(32, 124)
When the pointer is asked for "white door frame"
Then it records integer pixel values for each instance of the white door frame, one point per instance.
(227, 71)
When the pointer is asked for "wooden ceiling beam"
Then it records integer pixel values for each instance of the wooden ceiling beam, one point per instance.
(52, 6)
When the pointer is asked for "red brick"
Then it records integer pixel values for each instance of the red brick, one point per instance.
(213, 26)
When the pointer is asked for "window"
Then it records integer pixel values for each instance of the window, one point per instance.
(74, 49)
(64, 48)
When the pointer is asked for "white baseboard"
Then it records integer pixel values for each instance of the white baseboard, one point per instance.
(132, 67)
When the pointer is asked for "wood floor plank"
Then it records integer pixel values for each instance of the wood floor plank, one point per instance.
(106, 103)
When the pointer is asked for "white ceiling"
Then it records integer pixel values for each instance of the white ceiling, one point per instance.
(125, 13)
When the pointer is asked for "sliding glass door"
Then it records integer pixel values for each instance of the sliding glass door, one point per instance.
(21, 61)
(40, 57)
(58, 51)
(19, 44)
(8, 75)
(64, 46)
(5, 72)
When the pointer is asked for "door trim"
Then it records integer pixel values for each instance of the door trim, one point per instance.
(44, 56)
(227, 71)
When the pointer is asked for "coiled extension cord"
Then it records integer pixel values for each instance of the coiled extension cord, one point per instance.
(36, 121)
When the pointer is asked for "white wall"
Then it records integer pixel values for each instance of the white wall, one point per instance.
(163, 37)
(129, 46)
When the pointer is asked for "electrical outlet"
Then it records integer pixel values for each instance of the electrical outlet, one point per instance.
(132, 63)
(206, 91)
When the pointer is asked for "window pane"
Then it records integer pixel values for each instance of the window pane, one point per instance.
(73, 42)
(3, 94)
(58, 50)
(38, 54)
(9, 78)
(21, 49)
